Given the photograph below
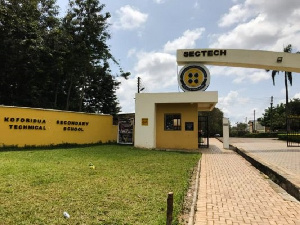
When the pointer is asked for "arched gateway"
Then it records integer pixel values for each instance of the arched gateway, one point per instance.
(170, 120)
(280, 61)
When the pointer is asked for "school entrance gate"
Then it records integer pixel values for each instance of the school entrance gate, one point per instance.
(169, 120)
(293, 131)
(203, 132)
(266, 60)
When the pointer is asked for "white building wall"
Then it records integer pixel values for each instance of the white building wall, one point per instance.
(145, 135)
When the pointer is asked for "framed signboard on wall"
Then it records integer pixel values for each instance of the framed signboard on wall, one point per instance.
(189, 126)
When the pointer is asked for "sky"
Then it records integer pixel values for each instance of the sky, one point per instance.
(145, 35)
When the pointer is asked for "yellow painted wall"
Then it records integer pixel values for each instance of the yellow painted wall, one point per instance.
(181, 139)
(38, 127)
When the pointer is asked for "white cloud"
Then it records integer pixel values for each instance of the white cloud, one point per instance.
(246, 75)
(237, 13)
(159, 1)
(261, 24)
(130, 18)
(277, 10)
(249, 24)
(157, 70)
(297, 95)
(196, 4)
(257, 24)
(256, 34)
(188, 40)
(257, 75)
(230, 103)
(126, 94)
(232, 98)
(240, 75)
(239, 109)
(131, 52)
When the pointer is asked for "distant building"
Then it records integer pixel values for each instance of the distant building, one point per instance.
(258, 128)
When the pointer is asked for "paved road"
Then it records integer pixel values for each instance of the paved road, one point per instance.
(232, 191)
(275, 154)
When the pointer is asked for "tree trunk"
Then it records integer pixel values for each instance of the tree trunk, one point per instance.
(286, 102)
(69, 94)
(55, 96)
(82, 90)
(81, 98)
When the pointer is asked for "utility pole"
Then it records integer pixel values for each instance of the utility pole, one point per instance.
(271, 130)
(254, 123)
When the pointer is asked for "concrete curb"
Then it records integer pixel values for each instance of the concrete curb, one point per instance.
(195, 196)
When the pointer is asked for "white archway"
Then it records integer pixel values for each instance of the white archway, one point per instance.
(267, 60)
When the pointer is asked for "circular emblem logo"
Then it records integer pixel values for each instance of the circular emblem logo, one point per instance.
(194, 78)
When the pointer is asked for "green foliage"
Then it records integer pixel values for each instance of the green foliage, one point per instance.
(127, 186)
(282, 137)
(292, 138)
(53, 62)
(215, 121)
(278, 115)
(261, 135)
(294, 106)
(240, 130)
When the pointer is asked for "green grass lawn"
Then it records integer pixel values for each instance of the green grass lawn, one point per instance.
(127, 186)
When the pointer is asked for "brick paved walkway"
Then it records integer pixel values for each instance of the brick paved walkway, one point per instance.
(233, 192)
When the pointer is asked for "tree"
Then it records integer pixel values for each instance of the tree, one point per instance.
(215, 121)
(60, 63)
(20, 49)
(88, 56)
(287, 77)
(295, 107)
(100, 96)
(239, 130)
(24, 28)
(278, 114)
(53, 53)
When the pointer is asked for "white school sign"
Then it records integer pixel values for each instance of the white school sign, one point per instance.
(280, 61)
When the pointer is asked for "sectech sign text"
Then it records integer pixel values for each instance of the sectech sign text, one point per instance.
(205, 53)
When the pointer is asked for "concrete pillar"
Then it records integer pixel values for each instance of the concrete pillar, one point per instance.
(226, 133)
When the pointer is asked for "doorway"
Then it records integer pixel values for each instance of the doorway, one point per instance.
(203, 134)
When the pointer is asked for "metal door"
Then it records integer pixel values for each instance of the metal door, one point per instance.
(203, 139)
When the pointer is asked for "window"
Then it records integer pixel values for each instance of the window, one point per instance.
(172, 122)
